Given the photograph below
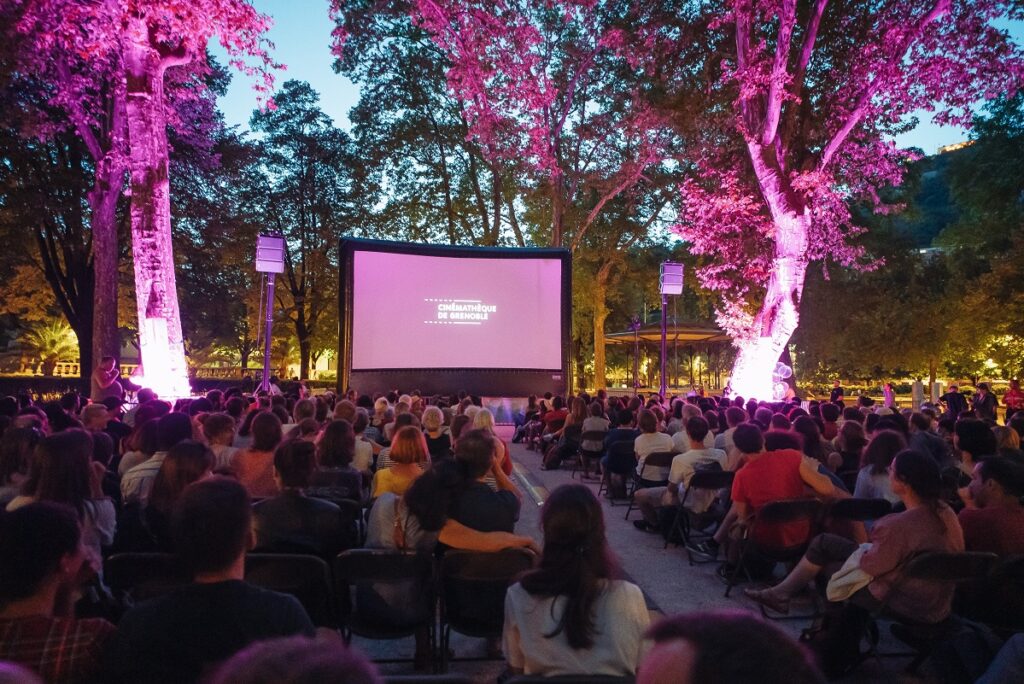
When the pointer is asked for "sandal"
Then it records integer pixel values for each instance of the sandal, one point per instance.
(766, 598)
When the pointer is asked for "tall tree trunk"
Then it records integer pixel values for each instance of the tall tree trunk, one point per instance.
(600, 316)
(557, 210)
(161, 351)
(779, 315)
(104, 336)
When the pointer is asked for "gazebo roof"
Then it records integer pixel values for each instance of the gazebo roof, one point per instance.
(684, 331)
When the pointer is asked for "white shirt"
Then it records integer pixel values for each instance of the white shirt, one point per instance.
(363, 457)
(222, 455)
(685, 465)
(138, 481)
(681, 441)
(645, 445)
(620, 615)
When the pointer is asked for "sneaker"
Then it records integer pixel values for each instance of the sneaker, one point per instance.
(644, 526)
(725, 573)
(706, 548)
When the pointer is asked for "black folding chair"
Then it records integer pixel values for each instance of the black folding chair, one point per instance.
(136, 577)
(307, 578)
(653, 465)
(571, 679)
(472, 588)
(428, 679)
(385, 594)
(584, 457)
(622, 464)
(772, 514)
(931, 566)
(686, 522)
(860, 510)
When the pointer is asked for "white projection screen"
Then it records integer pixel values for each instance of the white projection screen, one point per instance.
(440, 319)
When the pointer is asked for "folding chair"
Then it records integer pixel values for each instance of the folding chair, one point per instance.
(621, 463)
(136, 577)
(472, 588)
(686, 521)
(428, 679)
(307, 578)
(860, 510)
(571, 679)
(776, 513)
(659, 460)
(385, 595)
(585, 456)
(931, 566)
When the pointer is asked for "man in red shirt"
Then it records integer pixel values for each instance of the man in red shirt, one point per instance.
(41, 563)
(765, 477)
(993, 519)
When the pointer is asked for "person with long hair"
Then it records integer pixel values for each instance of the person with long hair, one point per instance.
(484, 420)
(16, 447)
(334, 476)
(187, 462)
(62, 472)
(927, 524)
(574, 614)
(873, 480)
(255, 465)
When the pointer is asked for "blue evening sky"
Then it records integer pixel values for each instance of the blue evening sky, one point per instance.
(302, 35)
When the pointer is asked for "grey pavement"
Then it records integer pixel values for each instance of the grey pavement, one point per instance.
(669, 583)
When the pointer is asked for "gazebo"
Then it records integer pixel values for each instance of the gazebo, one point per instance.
(689, 337)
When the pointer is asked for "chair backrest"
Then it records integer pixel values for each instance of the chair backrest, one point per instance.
(556, 425)
(141, 576)
(383, 593)
(790, 510)
(429, 679)
(860, 509)
(940, 566)
(659, 459)
(621, 459)
(571, 679)
(593, 436)
(473, 586)
(711, 479)
(305, 577)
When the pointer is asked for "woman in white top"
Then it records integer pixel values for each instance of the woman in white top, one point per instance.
(572, 615)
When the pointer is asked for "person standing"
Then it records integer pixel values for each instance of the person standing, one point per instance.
(104, 380)
(1013, 400)
(837, 392)
(984, 403)
(889, 396)
(955, 402)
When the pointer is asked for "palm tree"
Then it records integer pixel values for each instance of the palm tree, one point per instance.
(50, 343)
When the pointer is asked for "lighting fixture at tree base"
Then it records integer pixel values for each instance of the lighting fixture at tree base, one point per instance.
(158, 370)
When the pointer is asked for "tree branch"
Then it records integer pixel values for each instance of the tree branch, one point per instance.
(857, 113)
(776, 87)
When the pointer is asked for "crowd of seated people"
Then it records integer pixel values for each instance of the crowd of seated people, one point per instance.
(213, 478)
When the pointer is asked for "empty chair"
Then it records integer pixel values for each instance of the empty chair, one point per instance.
(472, 587)
(385, 594)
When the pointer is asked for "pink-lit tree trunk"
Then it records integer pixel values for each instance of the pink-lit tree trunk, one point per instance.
(161, 347)
(779, 315)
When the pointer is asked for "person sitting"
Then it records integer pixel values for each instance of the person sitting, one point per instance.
(141, 444)
(993, 517)
(219, 431)
(255, 466)
(62, 472)
(334, 477)
(566, 440)
(873, 481)
(683, 468)
(137, 482)
(477, 505)
(42, 566)
(408, 452)
(927, 524)
(179, 636)
(16, 448)
(297, 660)
(680, 440)
(974, 441)
(724, 646)
(723, 440)
(292, 522)
(782, 472)
(574, 614)
(439, 443)
(848, 447)
(648, 442)
(402, 420)
(926, 441)
(366, 448)
(149, 528)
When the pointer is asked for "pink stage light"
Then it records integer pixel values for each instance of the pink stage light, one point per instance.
(158, 370)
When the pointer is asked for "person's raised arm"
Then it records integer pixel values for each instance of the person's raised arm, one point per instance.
(458, 536)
